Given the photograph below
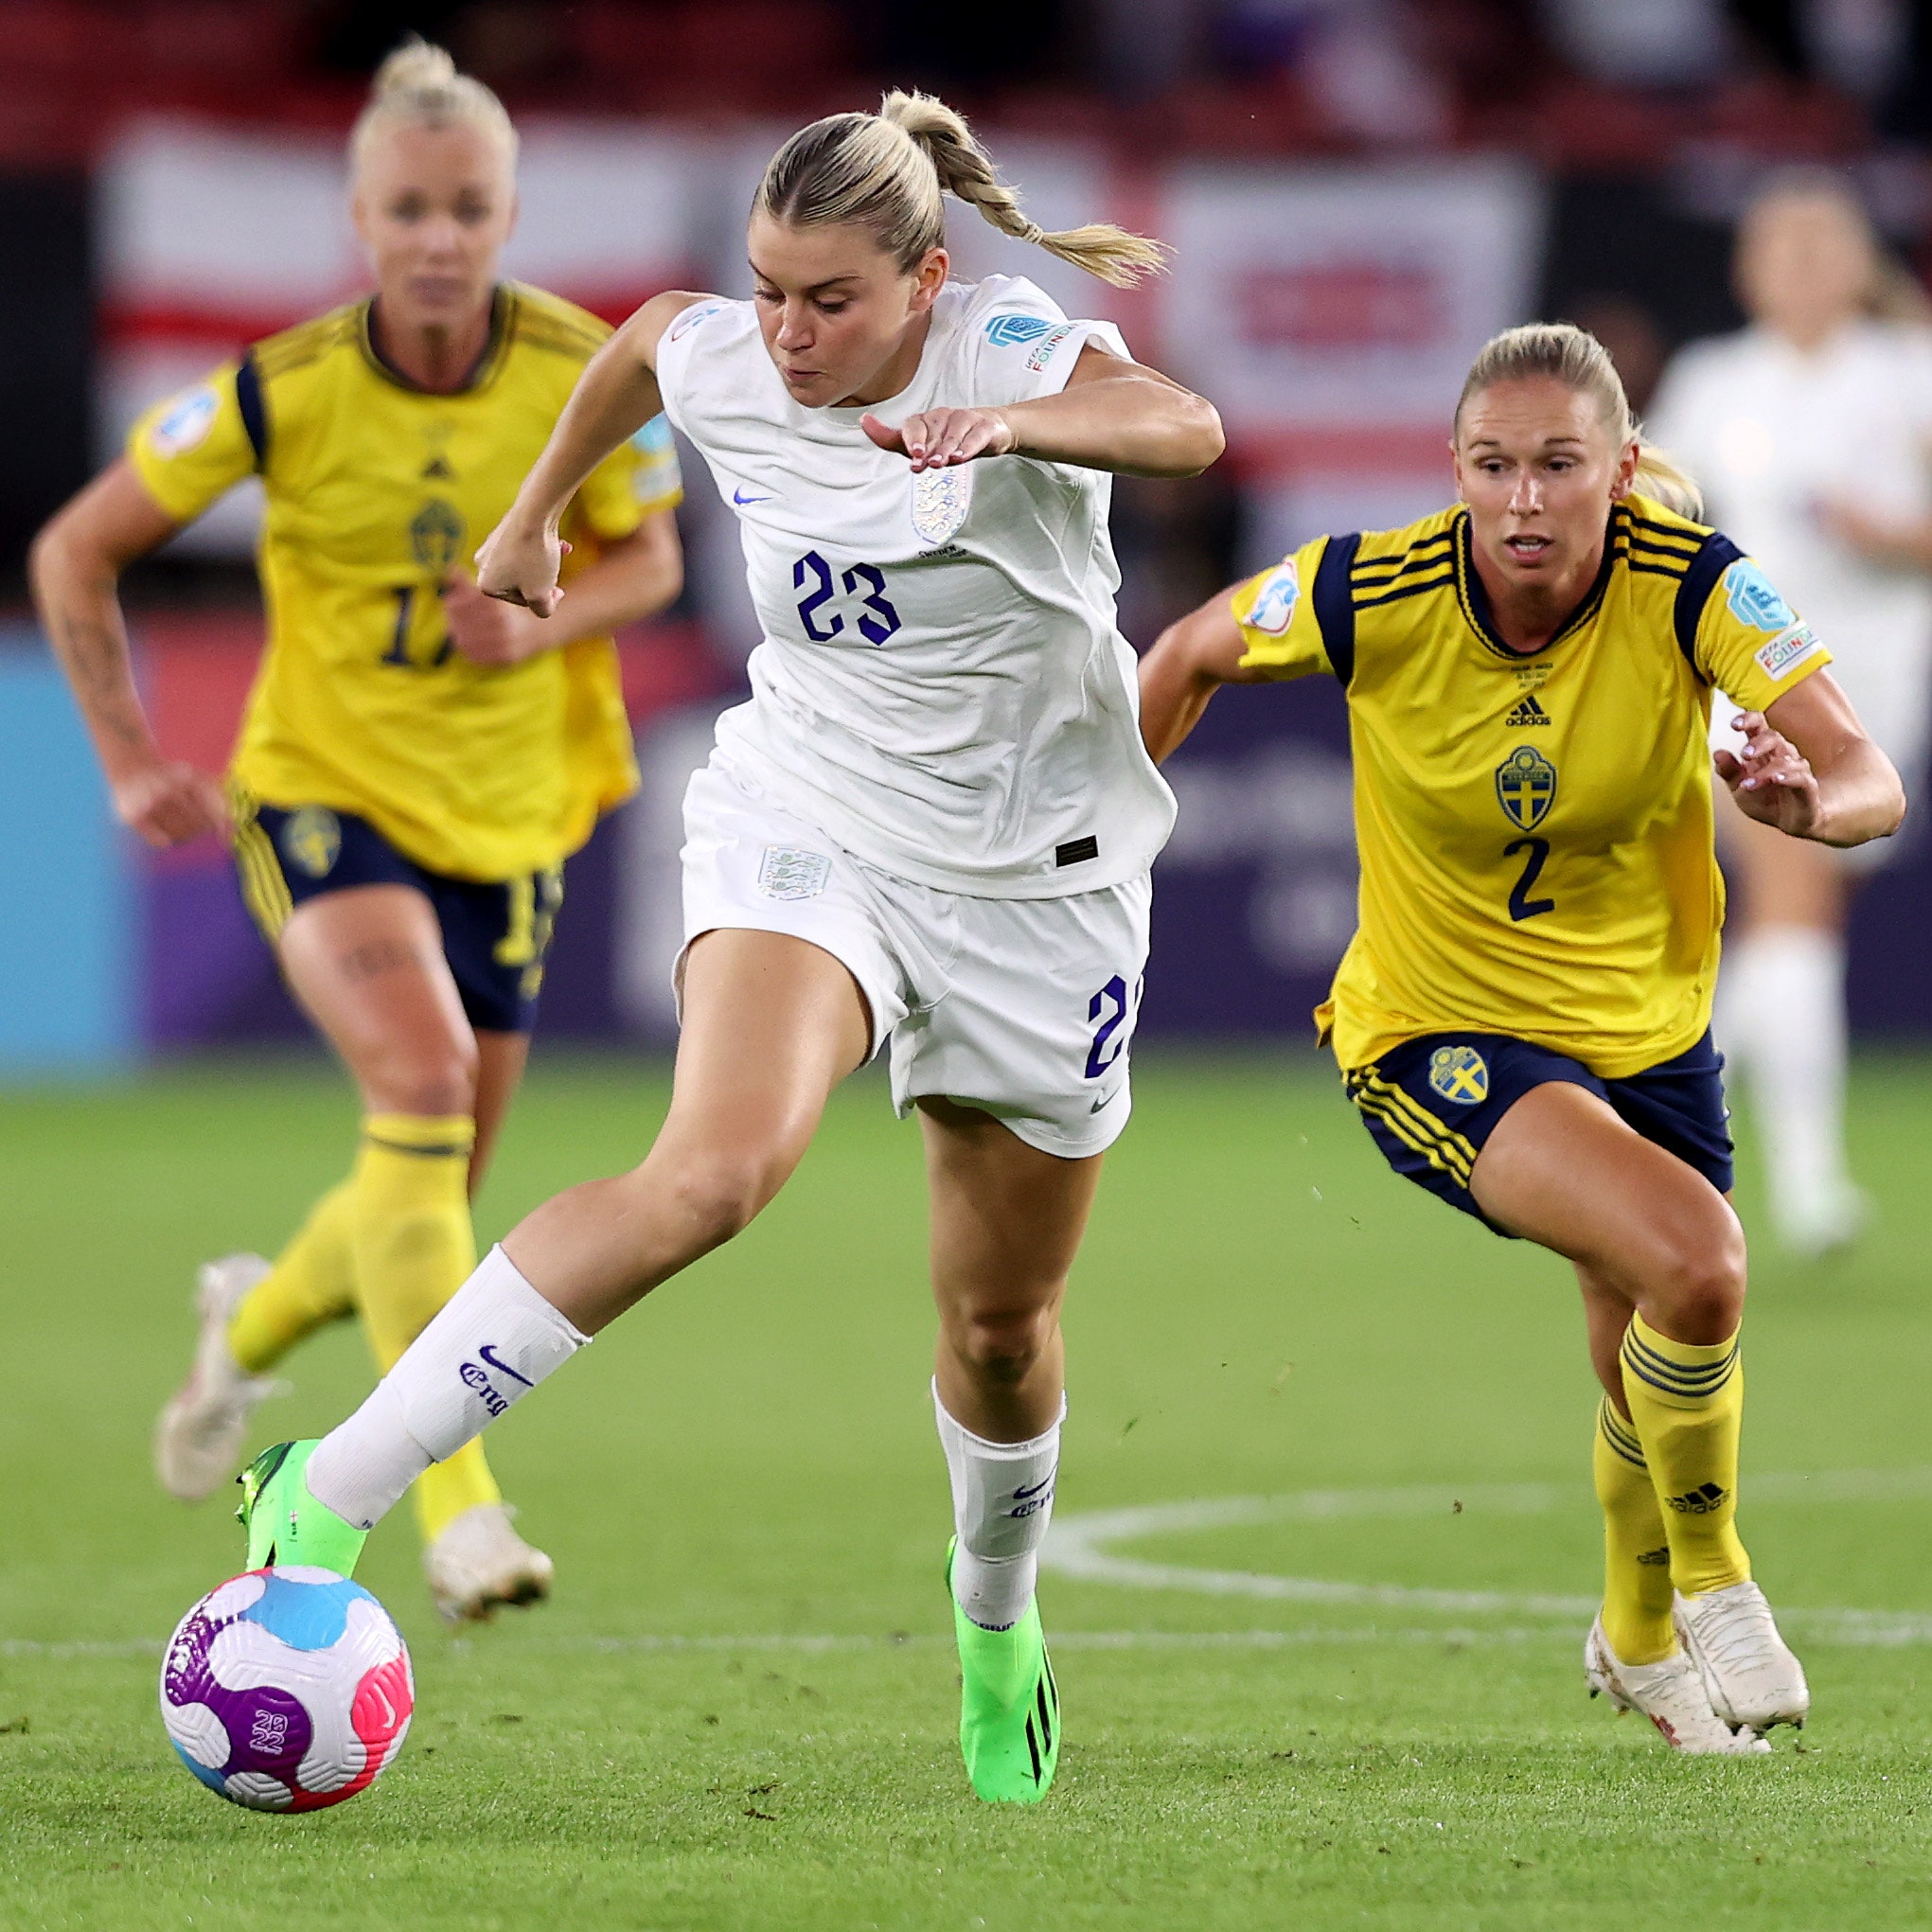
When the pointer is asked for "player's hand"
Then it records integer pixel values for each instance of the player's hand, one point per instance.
(491, 631)
(937, 438)
(1770, 782)
(169, 802)
(520, 566)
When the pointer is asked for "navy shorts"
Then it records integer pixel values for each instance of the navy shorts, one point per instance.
(1432, 1103)
(494, 935)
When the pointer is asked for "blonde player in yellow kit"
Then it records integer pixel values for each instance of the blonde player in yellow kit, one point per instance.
(1523, 1017)
(417, 760)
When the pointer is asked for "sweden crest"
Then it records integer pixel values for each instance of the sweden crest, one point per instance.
(436, 535)
(312, 840)
(1459, 1073)
(1526, 786)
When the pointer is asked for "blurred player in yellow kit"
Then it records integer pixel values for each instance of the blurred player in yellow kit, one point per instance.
(1523, 1016)
(417, 760)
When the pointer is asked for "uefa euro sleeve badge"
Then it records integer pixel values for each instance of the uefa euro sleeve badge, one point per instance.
(940, 501)
(1526, 786)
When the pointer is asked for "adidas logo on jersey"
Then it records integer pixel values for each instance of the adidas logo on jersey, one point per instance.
(1698, 1502)
(1528, 712)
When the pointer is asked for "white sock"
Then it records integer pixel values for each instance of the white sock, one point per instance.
(1002, 1499)
(492, 1342)
(1734, 1011)
(1790, 1018)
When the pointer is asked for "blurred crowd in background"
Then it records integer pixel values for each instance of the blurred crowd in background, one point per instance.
(1357, 193)
(1573, 81)
(1652, 119)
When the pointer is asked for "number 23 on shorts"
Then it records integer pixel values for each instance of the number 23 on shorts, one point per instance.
(1108, 1010)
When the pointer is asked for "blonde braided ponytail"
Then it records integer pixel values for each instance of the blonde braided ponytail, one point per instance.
(888, 171)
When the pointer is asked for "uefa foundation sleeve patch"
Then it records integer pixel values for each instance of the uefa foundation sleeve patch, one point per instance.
(1787, 650)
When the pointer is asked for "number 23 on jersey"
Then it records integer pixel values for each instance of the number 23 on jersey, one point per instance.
(831, 597)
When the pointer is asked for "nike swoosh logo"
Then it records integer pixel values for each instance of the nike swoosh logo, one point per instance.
(1028, 1495)
(1100, 1100)
(502, 1367)
(738, 496)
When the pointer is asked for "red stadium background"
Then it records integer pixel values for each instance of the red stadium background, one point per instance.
(1357, 195)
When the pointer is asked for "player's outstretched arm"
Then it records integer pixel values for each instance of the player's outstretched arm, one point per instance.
(634, 577)
(75, 567)
(1808, 769)
(1189, 660)
(616, 395)
(1113, 415)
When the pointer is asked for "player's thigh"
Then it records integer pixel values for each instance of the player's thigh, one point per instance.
(770, 1024)
(1562, 1169)
(367, 964)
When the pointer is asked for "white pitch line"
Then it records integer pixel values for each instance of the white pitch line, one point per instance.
(1075, 1548)
(815, 1645)
(1080, 1547)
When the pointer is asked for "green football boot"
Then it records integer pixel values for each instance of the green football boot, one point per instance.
(1009, 1708)
(285, 1523)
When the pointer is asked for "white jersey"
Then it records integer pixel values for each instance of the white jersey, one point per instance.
(941, 684)
(1770, 433)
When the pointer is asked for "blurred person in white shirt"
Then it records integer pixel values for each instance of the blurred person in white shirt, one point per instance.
(1811, 433)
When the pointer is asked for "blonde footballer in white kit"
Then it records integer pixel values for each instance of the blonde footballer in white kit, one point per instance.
(1811, 435)
(933, 822)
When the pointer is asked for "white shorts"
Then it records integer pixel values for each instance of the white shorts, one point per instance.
(1024, 1008)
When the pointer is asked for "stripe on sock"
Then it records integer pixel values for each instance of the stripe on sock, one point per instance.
(441, 1150)
(1619, 1436)
(1686, 1381)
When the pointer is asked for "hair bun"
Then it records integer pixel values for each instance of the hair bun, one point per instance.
(420, 84)
(416, 66)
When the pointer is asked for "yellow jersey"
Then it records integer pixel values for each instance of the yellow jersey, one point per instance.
(1535, 830)
(376, 493)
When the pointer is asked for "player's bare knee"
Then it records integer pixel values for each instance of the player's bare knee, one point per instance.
(425, 1080)
(719, 1191)
(1700, 1292)
(1002, 1347)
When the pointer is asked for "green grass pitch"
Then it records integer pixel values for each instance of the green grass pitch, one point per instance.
(738, 1710)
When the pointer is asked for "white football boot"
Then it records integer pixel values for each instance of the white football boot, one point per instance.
(1817, 1220)
(480, 1561)
(202, 1433)
(1748, 1670)
(1671, 1695)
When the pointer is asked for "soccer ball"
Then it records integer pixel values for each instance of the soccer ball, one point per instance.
(286, 1688)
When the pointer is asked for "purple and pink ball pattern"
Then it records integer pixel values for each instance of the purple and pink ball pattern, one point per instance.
(286, 1688)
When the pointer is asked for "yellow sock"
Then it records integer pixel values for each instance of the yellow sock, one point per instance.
(1636, 1556)
(1686, 1404)
(414, 1249)
(313, 1283)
